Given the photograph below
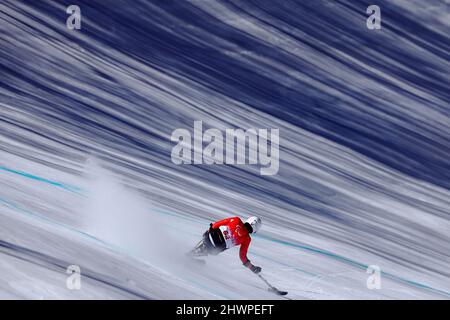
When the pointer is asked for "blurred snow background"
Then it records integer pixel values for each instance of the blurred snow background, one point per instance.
(85, 171)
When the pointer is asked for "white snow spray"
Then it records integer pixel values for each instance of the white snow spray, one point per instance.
(122, 217)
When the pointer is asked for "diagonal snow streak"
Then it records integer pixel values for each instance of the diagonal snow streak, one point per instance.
(364, 125)
(268, 238)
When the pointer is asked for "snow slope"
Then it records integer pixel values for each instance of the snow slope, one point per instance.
(85, 170)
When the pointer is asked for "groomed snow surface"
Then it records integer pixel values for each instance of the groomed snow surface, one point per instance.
(86, 177)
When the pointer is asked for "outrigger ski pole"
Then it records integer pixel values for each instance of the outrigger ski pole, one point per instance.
(271, 287)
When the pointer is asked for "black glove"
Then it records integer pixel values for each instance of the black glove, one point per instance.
(210, 228)
(254, 269)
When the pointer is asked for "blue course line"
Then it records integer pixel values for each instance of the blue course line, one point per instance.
(115, 248)
(283, 242)
(311, 249)
(28, 212)
(355, 263)
(65, 186)
(286, 265)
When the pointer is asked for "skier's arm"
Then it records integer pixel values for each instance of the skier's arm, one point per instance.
(243, 255)
(243, 252)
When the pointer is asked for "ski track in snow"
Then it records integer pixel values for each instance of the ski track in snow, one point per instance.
(364, 143)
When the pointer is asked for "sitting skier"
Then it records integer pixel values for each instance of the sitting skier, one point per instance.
(228, 233)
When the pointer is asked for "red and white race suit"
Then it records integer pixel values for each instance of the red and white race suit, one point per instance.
(235, 234)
